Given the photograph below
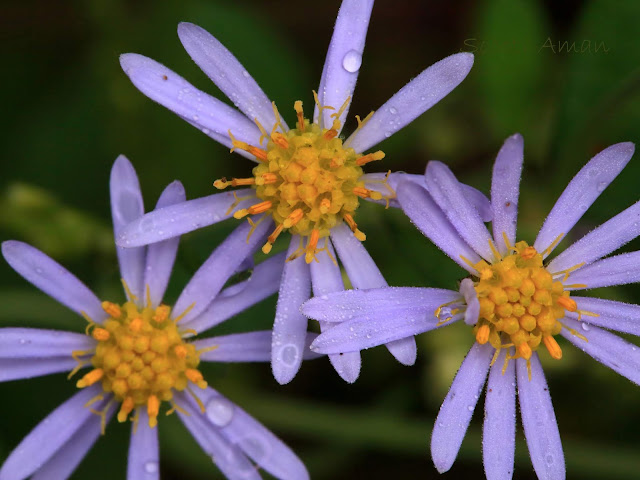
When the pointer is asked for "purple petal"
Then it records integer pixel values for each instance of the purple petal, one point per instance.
(209, 279)
(412, 100)
(38, 343)
(290, 326)
(169, 222)
(607, 348)
(605, 239)
(142, 463)
(499, 428)
(49, 436)
(457, 408)
(263, 282)
(432, 222)
(445, 190)
(53, 279)
(582, 191)
(539, 421)
(208, 114)
(618, 270)
(344, 58)
(162, 255)
(505, 190)
(471, 299)
(21, 368)
(622, 317)
(224, 69)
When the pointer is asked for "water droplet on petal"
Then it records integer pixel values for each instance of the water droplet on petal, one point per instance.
(549, 459)
(289, 354)
(220, 411)
(151, 467)
(387, 134)
(393, 111)
(245, 74)
(470, 408)
(352, 61)
(602, 186)
(585, 327)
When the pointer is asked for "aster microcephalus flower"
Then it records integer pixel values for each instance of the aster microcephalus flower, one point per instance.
(516, 301)
(141, 356)
(307, 179)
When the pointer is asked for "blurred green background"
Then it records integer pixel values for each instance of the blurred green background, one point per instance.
(68, 111)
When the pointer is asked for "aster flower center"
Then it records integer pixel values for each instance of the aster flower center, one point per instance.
(307, 180)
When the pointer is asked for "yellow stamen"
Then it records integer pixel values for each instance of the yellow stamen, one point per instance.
(552, 346)
(272, 238)
(370, 157)
(257, 152)
(310, 254)
(125, 409)
(90, 378)
(354, 228)
(235, 182)
(162, 313)
(254, 209)
(267, 179)
(195, 376)
(366, 193)
(567, 303)
(293, 218)
(112, 309)
(482, 335)
(153, 408)
(325, 205)
(135, 325)
(180, 351)
(297, 106)
(528, 253)
(100, 334)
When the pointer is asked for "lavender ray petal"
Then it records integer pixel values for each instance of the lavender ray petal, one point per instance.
(505, 190)
(53, 279)
(618, 316)
(499, 428)
(344, 58)
(224, 69)
(471, 299)
(39, 343)
(290, 326)
(458, 406)
(21, 368)
(412, 100)
(143, 460)
(618, 270)
(539, 421)
(209, 279)
(582, 191)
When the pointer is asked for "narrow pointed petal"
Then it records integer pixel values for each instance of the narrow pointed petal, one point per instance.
(446, 191)
(174, 220)
(209, 279)
(39, 343)
(618, 316)
(21, 368)
(412, 100)
(539, 421)
(263, 282)
(618, 270)
(582, 191)
(224, 69)
(344, 58)
(607, 348)
(505, 190)
(499, 428)
(423, 212)
(143, 461)
(52, 278)
(49, 436)
(600, 242)
(327, 278)
(162, 255)
(290, 326)
(208, 114)
(457, 408)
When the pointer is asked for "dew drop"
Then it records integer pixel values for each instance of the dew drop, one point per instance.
(393, 111)
(151, 467)
(387, 134)
(585, 326)
(245, 74)
(22, 341)
(470, 408)
(289, 354)
(352, 61)
(220, 411)
(549, 459)
(39, 271)
(602, 186)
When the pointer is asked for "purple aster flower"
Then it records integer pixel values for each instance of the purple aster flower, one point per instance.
(141, 356)
(515, 301)
(307, 180)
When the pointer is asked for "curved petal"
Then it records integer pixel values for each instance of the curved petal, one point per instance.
(582, 191)
(412, 100)
(143, 461)
(539, 421)
(162, 255)
(344, 58)
(208, 114)
(505, 190)
(471, 299)
(600, 242)
(618, 316)
(618, 270)
(458, 406)
(53, 279)
(289, 325)
(612, 351)
(418, 205)
(499, 428)
(38, 343)
(263, 282)
(209, 279)
(127, 206)
(21, 368)
(169, 222)
(224, 69)
(445, 190)
(49, 436)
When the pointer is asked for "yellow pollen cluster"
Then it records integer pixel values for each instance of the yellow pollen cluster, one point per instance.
(307, 180)
(141, 358)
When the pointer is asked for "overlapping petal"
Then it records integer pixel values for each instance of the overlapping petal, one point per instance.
(144, 454)
(38, 343)
(618, 270)
(471, 299)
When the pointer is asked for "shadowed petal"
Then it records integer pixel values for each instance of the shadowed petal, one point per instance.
(412, 100)
(471, 299)
(457, 408)
(53, 279)
(344, 56)
(142, 463)
(618, 270)
(21, 368)
(582, 191)
(539, 421)
(618, 316)
(505, 190)
(169, 222)
(38, 343)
